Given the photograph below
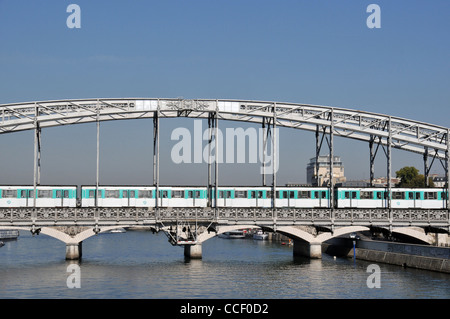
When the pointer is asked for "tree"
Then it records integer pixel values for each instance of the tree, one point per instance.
(410, 177)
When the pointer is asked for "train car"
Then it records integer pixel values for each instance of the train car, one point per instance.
(303, 197)
(427, 198)
(182, 196)
(242, 196)
(47, 196)
(118, 196)
(144, 196)
(347, 197)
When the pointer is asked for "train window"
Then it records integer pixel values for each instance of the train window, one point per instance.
(379, 195)
(366, 195)
(410, 195)
(227, 193)
(164, 194)
(220, 194)
(240, 194)
(23, 194)
(177, 194)
(347, 195)
(190, 194)
(9, 193)
(91, 194)
(398, 195)
(291, 194)
(285, 195)
(197, 194)
(430, 195)
(252, 194)
(417, 195)
(443, 195)
(145, 194)
(112, 193)
(354, 195)
(304, 194)
(44, 194)
(269, 194)
(132, 194)
(260, 194)
(58, 194)
(66, 194)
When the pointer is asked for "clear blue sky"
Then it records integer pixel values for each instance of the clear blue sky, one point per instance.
(318, 52)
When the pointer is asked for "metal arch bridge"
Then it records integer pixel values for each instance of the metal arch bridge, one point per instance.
(377, 130)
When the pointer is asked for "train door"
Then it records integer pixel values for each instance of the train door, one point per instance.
(125, 199)
(291, 198)
(412, 201)
(26, 196)
(164, 197)
(62, 197)
(131, 197)
(353, 199)
(259, 199)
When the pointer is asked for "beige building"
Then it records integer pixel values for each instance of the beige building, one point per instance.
(323, 174)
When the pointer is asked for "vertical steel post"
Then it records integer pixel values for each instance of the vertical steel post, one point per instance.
(316, 166)
(264, 151)
(156, 155)
(35, 153)
(210, 126)
(331, 160)
(389, 167)
(447, 173)
(98, 155)
(372, 160)
(425, 165)
(216, 163)
(274, 161)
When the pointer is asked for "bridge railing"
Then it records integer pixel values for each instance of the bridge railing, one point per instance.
(293, 216)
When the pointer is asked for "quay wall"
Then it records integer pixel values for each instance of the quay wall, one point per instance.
(401, 254)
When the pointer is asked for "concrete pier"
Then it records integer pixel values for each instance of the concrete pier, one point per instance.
(193, 251)
(311, 250)
(74, 251)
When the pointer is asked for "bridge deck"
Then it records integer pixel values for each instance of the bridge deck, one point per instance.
(255, 216)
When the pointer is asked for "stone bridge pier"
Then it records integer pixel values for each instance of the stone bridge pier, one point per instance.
(72, 236)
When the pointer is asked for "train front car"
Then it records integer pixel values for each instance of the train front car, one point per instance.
(47, 196)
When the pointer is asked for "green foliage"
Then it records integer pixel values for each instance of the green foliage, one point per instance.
(410, 177)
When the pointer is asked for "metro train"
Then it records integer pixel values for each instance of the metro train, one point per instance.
(192, 196)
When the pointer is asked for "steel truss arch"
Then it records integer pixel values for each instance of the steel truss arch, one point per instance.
(414, 136)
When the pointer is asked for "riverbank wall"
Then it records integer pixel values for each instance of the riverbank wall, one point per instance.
(401, 254)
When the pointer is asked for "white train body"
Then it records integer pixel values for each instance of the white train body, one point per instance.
(47, 196)
(242, 196)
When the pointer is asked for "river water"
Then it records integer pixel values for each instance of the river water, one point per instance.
(139, 264)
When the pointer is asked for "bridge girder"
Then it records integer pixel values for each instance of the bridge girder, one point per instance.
(409, 135)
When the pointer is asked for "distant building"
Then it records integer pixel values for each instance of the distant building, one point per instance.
(323, 173)
(439, 181)
(383, 181)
